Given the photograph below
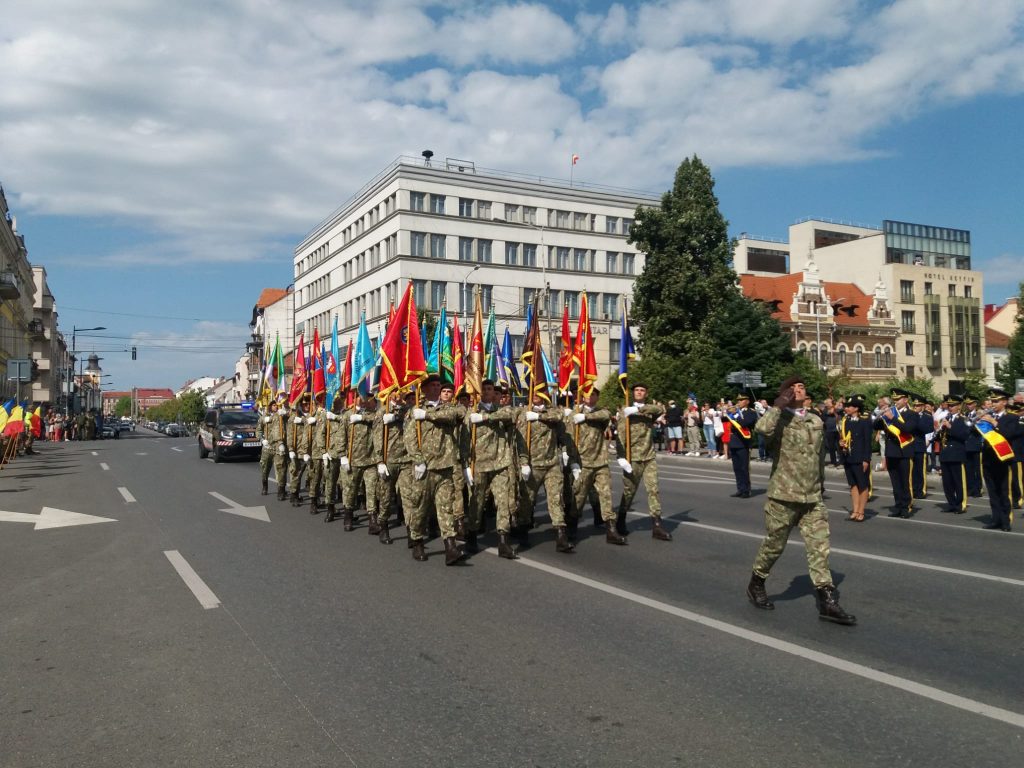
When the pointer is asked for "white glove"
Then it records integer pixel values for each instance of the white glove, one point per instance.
(326, 457)
(355, 418)
(266, 419)
(306, 457)
(297, 420)
(343, 463)
(630, 410)
(311, 419)
(382, 470)
(419, 470)
(419, 414)
(266, 443)
(525, 471)
(476, 418)
(280, 448)
(332, 416)
(388, 418)
(567, 411)
(579, 418)
(565, 459)
(539, 408)
(291, 455)
(626, 466)
(469, 475)
(576, 471)
(532, 416)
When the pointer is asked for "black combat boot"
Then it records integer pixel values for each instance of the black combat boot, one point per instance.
(572, 525)
(659, 533)
(373, 527)
(384, 535)
(453, 553)
(409, 540)
(471, 543)
(314, 505)
(522, 534)
(505, 549)
(829, 608)
(346, 517)
(295, 499)
(332, 514)
(611, 536)
(757, 595)
(620, 522)
(562, 543)
(418, 551)
(263, 487)
(281, 493)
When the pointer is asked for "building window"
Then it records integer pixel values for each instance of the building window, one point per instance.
(611, 226)
(483, 251)
(909, 347)
(572, 300)
(907, 321)
(419, 292)
(628, 263)
(928, 289)
(842, 357)
(437, 203)
(483, 209)
(554, 305)
(418, 244)
(823, 357)
(511, 212)
(561, 258)
(627, 226)
(582, 222)
(952, 289)
(878, 358)
(559, 219)
(465, 207)
(465, 249)
(437, 246)
(529, 294)
(858, 358)
(611, 262)
(614, 348)
(581, 260)
(511, 254)
(438, 290)
(887, 358)
(610, 306)
(417, 201)
(907, 291)
(967, 292)
(529, 215)
(529, 255)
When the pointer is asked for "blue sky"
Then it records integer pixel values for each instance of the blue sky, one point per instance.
(164, 159)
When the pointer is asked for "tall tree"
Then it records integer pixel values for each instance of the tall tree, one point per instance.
(1013, 368)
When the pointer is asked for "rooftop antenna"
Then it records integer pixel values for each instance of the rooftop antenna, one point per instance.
(427, 154)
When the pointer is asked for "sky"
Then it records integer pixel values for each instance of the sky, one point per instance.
(163, 159)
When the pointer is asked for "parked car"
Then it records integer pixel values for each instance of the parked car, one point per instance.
(109, 431)
(229, 431)
(175, 430)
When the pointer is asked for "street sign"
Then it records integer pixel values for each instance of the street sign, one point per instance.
(19, 370)
(746, 378)
(1019, 385)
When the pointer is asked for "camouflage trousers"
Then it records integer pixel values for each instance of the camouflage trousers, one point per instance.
(435, 488)
(551, 479)
(270, 457)
(410, 491)
(366, 477)
(599, 480)
(389, 489)
(780, 517)
(316, 477)
(296, 469)
(331, 472)
(647, 471)
(501, 485)
(460, 496)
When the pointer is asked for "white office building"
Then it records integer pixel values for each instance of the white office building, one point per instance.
(452, 228)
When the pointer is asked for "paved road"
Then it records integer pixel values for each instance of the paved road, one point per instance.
(324, 648)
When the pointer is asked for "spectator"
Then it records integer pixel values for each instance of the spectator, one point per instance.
(829, 416)
(674, 427)
(708, 418)
(692, 420)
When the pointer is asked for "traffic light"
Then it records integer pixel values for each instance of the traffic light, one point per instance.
(135, 355)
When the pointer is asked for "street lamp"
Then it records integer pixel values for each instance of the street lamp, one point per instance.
(74, 357)
(465, 304)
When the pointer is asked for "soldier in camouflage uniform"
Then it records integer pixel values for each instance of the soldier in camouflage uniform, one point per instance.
(795, 441)
(317, 446)
(540, 440)
(359, 464)
(461, 499)
(640, 464)
(270, 431)
(282, 464)
(394, 460)
(489, 472)
(298, 448)
(334, 447)
(431, 438)
(590, 462)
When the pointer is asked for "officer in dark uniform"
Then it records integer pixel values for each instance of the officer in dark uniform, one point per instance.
(954, 432)
(924, 427)
(742, 419)
(1017, 470)
(855, 433)
(899, 423)
(997, 457)
(972, 464)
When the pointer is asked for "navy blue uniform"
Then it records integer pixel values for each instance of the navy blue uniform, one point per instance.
(860, 431)
(972, 464)
(997, 473)
(952, 456)
(919, 469)
(899, 459)
(739, 446)
(1017, 470)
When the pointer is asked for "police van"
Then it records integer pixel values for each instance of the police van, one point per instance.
(229, 431)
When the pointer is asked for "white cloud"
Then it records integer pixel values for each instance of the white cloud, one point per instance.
(507, 33)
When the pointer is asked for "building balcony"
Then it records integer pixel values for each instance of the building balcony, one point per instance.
(9, 287)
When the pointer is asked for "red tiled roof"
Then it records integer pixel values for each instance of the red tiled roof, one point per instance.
(778, 292)
(270, 296)
(994, 338)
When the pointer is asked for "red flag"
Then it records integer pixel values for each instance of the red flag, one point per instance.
(37, 421)
(298, 372)
(319, 385)
(402, 362)
(458, 361)
(565, 360)
(583, 351)
(474, 362)
(346, 378)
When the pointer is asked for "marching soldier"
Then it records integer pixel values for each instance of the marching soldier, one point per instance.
(461, 499)
(795, 438)
(358, 462)
(489, 472)
(431, 438)
(271, 433)
(954, 431)
(999, 429)
(590, 462)
(540, 439)
(899, 423)
(334, 448)
(635, 428)
(742, 420)
(972, 464)
(855, 433)
(1017, 469)
(925, 426)
(394, 471)
(298, 448)
(317, 431)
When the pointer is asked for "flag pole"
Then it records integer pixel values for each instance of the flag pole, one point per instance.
(625, 391)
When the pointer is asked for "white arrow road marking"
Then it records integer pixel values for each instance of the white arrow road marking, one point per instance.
(104, 466)
(126, 495)
(202, 592)
(53, 518)
(256, 513)
(95, 453)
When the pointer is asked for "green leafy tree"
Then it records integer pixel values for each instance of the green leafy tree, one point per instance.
(1013, 368)
(191, 407)
(123, 407)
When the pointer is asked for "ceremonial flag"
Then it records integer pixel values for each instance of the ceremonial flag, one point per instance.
(435, 363)
(16, 422)
(362, 363)
(375, 376)
(475, 352)
(346, 377)
(501, 374)
(627, 351)
(583, 350)
(332, 376)
(893, 424)
(491, 349)
(533, 360)
(318, 364)
(37, 421)
(423, 339)
(298, 371)
(512, 373)
(403, 365)
(565, 361)
(999, 444)
(458, 360)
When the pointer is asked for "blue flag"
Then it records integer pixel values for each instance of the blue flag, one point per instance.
(435, 362)
(332, 369)
(363, 359)
(627, 351)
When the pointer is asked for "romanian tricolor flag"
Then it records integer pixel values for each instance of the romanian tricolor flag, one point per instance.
(403, 364)
(37, 421)
(744, 431)
(16, 421)
(893, 423)
(1000, 445)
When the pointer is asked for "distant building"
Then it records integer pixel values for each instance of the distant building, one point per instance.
(936, 296)
(1000, 324)
(49, 350)
(17, 297)
(143, 399)
(272, 321)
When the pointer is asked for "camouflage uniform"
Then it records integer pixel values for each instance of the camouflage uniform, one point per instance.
(318, 437)
(272, 430)
(298, 449)
(334, 446)
(493, 468)
(543, 454)
(396, 459)
(464, 441)
(362, 457)
(439, 452)
(591, 453)
(641, 457)
(796, 445)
